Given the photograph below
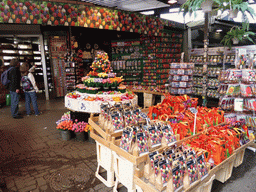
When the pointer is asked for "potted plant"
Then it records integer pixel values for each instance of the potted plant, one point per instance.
(106, 84)
(234, 6)
(235, 35)
(79, 129)
(65, 126)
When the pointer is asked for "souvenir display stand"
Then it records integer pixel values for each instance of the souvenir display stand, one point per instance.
(129, 168)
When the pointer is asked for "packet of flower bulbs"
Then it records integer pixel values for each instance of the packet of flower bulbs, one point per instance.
(175, 183)
(126, 139)
(169, 154)
(103, 113)
(148, 169)
(181, 159)
(192, 173)
(116, 123)
(156, 159)
(202, 167)
(246, 90)
(248, 76)
(118, 106)
(141, 147)
(168, 135)
(128, 117)
(154, 137)
(233, 90)
(136, 115)
(164, 175)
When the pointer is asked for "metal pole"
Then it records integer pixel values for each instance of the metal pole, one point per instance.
(44, 67)
(206, 42)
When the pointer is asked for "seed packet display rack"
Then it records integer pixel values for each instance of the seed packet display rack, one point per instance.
(238, 89)
(119, 161)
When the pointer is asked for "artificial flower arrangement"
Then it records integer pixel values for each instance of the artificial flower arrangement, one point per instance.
(80, 126)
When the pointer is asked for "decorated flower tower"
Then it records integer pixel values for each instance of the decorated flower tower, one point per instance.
(101, 78)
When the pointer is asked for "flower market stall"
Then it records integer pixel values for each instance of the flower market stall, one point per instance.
(159, 149)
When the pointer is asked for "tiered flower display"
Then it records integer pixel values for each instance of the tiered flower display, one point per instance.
(101, 77)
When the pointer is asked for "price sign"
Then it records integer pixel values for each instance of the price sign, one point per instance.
(238, 104)
(194, 111)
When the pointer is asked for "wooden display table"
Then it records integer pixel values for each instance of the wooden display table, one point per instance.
(121, 161)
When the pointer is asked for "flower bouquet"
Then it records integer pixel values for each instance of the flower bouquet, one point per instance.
(79, 129)
(80, 126)
(65, 127)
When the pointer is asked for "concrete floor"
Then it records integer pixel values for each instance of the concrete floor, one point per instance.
(33, 157)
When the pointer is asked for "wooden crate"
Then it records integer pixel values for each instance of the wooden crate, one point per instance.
(136, 160)
(240, 154)
(93, 121)
(198, 186)
(223, 171)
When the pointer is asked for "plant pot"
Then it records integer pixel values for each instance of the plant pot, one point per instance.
(113, 88)
(122, 90)
(65, 135)
(80, 136)
(207, 5)
(105, 88)
(235, 41)
(233, 13)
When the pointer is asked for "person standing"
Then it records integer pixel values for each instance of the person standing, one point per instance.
(30, 88)
(14, 87)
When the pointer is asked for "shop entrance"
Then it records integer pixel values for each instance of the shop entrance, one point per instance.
(28, 48)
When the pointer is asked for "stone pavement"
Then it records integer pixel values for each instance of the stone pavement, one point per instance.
(33, 157)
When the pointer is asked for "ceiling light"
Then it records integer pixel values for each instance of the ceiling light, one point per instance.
(173, 10)
(172, 1)
(148, 12)
(218, 30)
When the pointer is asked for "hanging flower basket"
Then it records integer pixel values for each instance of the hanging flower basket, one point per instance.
(207, 6)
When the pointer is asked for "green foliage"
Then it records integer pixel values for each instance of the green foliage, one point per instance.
(236, 33)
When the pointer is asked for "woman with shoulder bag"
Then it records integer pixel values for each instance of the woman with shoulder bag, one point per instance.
(30, 88)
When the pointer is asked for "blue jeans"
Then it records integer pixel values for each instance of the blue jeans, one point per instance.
(31, 97)
(14, 103)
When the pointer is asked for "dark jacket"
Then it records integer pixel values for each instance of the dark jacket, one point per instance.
(14, 76)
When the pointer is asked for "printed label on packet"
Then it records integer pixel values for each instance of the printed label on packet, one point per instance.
(126, 139)
(202, 167)
(168, 134)
(128, 118)
(165, 169)
(177, 177)
(192, 171)
(117, 122)
(136, 115)
(142, 143)
(154, 136)
(151, 158)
